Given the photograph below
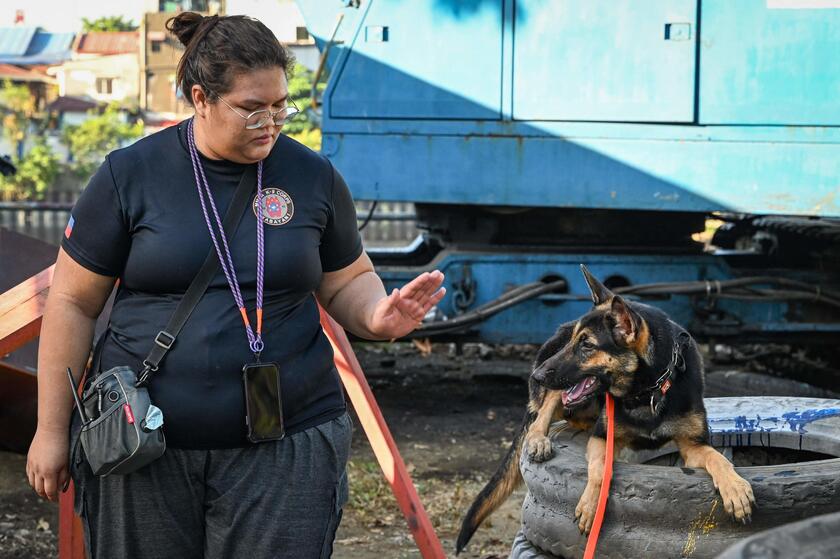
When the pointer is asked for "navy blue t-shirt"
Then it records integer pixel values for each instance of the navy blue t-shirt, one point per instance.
(140, 219)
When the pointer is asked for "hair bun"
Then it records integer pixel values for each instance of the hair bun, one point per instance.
(185, 25)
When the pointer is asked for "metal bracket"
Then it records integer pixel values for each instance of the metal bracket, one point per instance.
(463, 290)
(677, 31)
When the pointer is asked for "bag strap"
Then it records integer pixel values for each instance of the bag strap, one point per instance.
(96, 361)
(166, 337)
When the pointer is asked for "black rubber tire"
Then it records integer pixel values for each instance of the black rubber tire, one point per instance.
(523, 549)
(664, 511)
(743, 383)
(812, 538)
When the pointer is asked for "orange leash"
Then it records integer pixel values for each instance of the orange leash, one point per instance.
(592, 542)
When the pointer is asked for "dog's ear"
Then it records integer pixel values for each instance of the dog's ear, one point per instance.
(625, 322)
(600, 294)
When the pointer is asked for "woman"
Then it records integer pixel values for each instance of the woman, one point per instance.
(146, 217)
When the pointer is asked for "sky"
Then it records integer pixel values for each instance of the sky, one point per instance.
(61, 15)
(64, 15)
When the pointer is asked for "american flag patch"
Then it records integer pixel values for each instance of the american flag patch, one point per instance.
(69, 229)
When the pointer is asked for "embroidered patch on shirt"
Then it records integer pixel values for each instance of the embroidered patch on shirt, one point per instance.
(69, 229)
(277, 207)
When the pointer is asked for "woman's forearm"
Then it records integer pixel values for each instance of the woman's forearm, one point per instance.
(352, 306)
(66, 334)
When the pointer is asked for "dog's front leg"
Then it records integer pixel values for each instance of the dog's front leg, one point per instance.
(596, 449)
(536, 439)
(735, 491)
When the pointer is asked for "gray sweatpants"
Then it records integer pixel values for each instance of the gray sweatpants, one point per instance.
(270, 500)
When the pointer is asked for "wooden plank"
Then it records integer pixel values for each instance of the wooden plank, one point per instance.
(71, 543)
(10, 370)
(22, 324)
(21, 310)
(26, 290)
(381, 441)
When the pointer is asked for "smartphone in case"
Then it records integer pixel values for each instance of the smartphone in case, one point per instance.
(263, 405)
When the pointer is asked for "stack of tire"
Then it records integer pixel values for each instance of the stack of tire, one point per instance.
(671, 511)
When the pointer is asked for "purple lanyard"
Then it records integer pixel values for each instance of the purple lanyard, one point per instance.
(254, 340)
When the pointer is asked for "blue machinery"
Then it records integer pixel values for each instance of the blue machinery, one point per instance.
(534, 135)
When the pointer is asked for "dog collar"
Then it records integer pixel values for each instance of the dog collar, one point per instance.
(658, 389)
(663, 383)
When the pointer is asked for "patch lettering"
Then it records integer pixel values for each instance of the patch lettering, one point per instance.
(277, 207)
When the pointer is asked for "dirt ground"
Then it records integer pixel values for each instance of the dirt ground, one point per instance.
(28, 524)
(453, 415)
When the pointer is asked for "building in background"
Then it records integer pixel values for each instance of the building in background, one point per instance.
(135, 69)
(160, 98)
(284, 18)
(41, 86)
(34, 47)
(69, 110)
(105, 68)
(25, 55)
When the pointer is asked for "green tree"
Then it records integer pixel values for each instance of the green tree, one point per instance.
(18, 107)
(305, 127)
(91, 140)
(36, 171)
(108, 23)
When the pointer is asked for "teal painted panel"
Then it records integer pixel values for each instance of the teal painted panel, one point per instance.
(760, 65)
(580, 130)
(699, 176)
(421, 59)
(605, 60)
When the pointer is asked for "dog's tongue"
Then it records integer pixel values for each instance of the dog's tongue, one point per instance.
(574, 392)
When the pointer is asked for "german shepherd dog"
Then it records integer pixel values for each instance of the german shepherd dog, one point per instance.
(652, 368)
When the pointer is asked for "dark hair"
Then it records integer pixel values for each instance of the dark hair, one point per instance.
(219, 47)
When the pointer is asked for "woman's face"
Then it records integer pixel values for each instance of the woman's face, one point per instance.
(223, 130)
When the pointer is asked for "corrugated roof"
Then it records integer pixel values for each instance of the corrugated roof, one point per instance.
(43, 47)
(116, 42)
(9, 71)
(14, 73)
(72, 104)
(15, 40)
(50, 43)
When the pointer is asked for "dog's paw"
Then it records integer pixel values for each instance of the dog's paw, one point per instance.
(738, 498)
(539, 449)
(585, 509)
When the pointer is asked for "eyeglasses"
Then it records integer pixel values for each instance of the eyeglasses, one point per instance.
(260, 118)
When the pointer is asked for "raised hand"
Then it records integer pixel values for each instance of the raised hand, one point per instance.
(403, 310)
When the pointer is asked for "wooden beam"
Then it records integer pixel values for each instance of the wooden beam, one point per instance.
(383, 444)
(71, 542)
(21, 310)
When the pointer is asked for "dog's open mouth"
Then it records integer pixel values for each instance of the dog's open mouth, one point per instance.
(580, 392)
